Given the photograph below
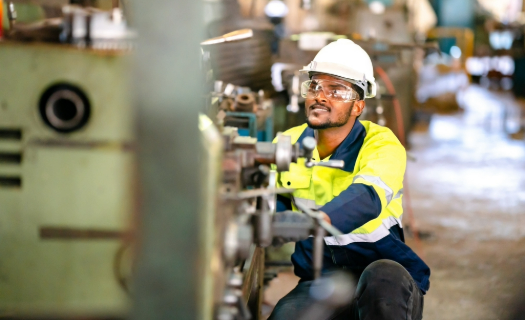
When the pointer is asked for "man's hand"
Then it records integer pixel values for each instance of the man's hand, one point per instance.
(326, 217)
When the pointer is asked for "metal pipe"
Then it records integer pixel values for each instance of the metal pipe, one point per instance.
(166, 95)
(11, 15)
(318, 250)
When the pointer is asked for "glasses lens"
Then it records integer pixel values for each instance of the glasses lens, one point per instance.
(332, 90)
(308, 89)
(336, 91)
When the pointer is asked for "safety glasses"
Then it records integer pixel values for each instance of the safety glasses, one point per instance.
(333, 90)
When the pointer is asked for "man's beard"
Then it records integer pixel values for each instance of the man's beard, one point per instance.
(341, 121)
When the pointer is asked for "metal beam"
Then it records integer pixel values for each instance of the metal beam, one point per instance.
(167, 96)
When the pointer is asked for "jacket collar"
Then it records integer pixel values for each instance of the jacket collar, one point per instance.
(348, 150)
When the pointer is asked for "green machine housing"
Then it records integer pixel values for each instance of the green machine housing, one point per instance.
(65, 179)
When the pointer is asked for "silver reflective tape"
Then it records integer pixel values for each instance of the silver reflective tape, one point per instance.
(392, 221)
(306, 202)
(378, 182)
(382, 231)
(399, 194)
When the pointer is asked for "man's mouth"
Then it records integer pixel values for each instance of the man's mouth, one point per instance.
(318, 107)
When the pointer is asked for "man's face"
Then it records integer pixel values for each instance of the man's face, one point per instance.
(322, 113)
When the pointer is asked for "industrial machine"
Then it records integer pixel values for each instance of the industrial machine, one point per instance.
(244, 218)
(66, 163)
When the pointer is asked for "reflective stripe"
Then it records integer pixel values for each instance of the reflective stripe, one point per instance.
(399, 194)
(382, 231)
(392, 221)
(306, 202)
(378, 182)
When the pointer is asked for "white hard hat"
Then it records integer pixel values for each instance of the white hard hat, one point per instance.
(345, 59)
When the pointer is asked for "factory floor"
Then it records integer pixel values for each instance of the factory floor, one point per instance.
(466, 186)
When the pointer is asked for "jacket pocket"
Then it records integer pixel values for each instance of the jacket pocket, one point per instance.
(295, 180)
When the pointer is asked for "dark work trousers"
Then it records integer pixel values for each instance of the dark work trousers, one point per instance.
(385, 291)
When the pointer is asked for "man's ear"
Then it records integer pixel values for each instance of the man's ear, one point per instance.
(358, 108)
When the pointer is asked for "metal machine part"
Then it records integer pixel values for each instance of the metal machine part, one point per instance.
(80, 26)
(230, 37)
(247, 203)
(309, 145)
(64, 108)
(321, 228)
(245, 109)
(11, 15)
(90, 27)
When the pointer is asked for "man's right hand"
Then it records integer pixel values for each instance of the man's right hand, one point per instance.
(326, 217)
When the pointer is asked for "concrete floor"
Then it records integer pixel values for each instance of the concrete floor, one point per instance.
(467, 191)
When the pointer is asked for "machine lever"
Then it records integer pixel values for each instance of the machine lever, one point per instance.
(318, 219)
(338, 164)
(309, 145)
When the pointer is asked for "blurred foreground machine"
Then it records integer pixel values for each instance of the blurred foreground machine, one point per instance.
(65, 167)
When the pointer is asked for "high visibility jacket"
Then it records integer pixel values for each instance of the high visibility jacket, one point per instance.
(363, 200)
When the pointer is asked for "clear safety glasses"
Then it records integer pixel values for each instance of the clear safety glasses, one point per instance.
(333, 90)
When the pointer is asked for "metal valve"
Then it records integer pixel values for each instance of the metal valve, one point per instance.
(309, 145)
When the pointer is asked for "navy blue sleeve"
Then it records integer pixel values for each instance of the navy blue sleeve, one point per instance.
(283, 203)
(353, 207)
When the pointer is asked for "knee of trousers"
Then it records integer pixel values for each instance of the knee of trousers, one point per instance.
(385, 277)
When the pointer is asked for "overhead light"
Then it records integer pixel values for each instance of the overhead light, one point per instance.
(377, 7)
(276, 9)
(455, 52)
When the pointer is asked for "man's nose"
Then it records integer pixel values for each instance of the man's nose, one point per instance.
(321, 97)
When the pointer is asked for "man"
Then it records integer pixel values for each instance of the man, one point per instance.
(363, 200)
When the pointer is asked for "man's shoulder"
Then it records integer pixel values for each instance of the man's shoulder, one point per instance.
(376, 133)
(294, 132)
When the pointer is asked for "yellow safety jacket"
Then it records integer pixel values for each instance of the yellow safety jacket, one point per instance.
(363, 200)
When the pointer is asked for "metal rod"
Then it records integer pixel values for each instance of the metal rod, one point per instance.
(318, 250)
(318, 219)
(11, 15)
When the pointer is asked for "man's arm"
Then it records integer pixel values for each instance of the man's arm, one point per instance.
(379, 179)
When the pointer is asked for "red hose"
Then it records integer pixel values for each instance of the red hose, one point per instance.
(401, 135)
(397, 106)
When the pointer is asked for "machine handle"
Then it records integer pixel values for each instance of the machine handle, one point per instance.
(338, 164)
(309, 145)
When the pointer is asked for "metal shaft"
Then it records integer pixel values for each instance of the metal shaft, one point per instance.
(318, 250)
(11, 15)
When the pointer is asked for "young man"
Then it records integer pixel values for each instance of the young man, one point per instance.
(363, 200)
